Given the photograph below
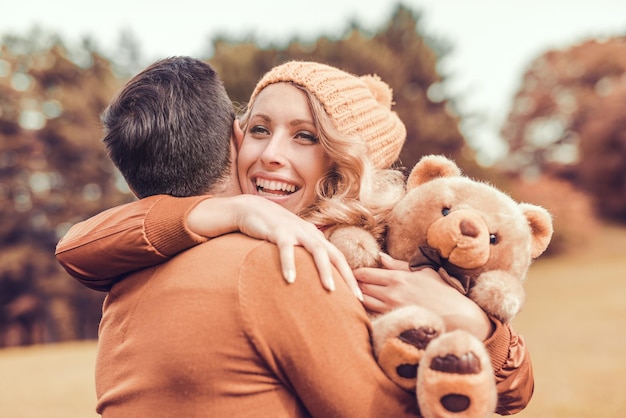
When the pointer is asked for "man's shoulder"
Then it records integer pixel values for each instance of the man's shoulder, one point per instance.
(238, 248)
(239, 243)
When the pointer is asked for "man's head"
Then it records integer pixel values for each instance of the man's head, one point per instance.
(169, 129)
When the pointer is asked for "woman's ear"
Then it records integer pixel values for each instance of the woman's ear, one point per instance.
(238, 132)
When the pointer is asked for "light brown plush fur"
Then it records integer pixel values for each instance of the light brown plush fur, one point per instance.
(483, 246)
(482, 243)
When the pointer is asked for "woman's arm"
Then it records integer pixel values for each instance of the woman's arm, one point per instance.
(260, 218)
(396, 286)
(103, 249)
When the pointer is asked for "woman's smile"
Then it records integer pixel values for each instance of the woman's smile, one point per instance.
(274, 187)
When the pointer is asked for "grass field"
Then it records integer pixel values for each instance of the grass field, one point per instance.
(574, 324)
(49, 381)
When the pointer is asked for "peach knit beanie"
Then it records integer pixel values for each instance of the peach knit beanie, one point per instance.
(358, 106)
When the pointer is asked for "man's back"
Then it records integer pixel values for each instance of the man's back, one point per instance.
(217, 332)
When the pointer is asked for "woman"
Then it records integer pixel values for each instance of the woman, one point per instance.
(318, 141)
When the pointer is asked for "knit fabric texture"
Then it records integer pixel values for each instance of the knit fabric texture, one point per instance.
(358, 106)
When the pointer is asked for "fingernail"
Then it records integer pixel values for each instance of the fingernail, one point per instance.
(330, 284)
(290, 276)
(358, 293)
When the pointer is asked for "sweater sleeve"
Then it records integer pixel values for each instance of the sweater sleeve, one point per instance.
(100, 251)
(316, 342)
(512, 366)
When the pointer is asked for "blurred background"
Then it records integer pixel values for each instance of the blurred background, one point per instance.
(527, 95)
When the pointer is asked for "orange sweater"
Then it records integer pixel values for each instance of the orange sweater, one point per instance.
(99, 251)
(217, 332)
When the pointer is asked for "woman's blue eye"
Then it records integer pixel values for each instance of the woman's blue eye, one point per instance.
(258, 129)
(445, 211)
(308, 137)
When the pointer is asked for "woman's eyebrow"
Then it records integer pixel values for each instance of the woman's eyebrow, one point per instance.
(296, 122)
(262, 116)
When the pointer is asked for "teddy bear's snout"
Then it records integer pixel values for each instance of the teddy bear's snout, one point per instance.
(462, 238)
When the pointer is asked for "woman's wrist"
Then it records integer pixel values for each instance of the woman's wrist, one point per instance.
(472, 319)
(216, 216)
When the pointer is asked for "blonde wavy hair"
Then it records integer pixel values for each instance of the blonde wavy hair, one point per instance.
(353, 192)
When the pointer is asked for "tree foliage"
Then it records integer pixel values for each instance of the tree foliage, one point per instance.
(53, 173)
(568, 120)
(400, 53)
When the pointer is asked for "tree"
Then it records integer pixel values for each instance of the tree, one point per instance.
(567, 120)
(53, 172)
(399, 53)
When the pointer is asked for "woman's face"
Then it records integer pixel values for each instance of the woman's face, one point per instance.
(280, 157)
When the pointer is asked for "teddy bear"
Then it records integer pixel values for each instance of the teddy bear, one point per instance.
(482, 243)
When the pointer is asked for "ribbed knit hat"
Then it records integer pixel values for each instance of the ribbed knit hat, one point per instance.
(358, 106)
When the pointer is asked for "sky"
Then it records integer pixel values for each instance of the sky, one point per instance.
(493, 41)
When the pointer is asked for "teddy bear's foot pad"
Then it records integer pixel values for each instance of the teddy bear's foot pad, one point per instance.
(401, 355)
(418, 338)
(400, 339)
(456, 379)
(456, 403)
(467, 363)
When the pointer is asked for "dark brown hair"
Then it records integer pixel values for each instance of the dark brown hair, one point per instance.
(168, 130)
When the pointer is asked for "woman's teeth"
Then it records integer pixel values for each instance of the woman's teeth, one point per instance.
(274, 187)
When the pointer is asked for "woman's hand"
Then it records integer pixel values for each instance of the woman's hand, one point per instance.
(394, 286)
(260, 218)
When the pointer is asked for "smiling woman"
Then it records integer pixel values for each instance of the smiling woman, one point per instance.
(329, 136)
(280, 157)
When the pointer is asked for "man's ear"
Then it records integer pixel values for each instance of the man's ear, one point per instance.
(238, 132)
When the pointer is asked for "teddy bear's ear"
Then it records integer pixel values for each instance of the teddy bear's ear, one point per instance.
(540, 222)
(430, 167)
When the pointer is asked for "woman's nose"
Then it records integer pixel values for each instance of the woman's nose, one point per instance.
(275, 152)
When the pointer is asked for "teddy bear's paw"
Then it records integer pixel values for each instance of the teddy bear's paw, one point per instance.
(358, 246)
(400, 338)
(456, 379)
(400, 356)
(499, 293)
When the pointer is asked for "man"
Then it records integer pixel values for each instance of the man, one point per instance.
(216, 331)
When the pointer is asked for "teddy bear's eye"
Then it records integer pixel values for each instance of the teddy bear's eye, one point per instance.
(493, 239)
(445, 211)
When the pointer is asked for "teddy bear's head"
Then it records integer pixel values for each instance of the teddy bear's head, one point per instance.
(479, 238)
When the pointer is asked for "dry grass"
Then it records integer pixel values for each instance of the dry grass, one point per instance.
(573, 323)
(52, 381)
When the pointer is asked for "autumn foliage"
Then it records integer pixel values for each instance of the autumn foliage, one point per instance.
(568, 120)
